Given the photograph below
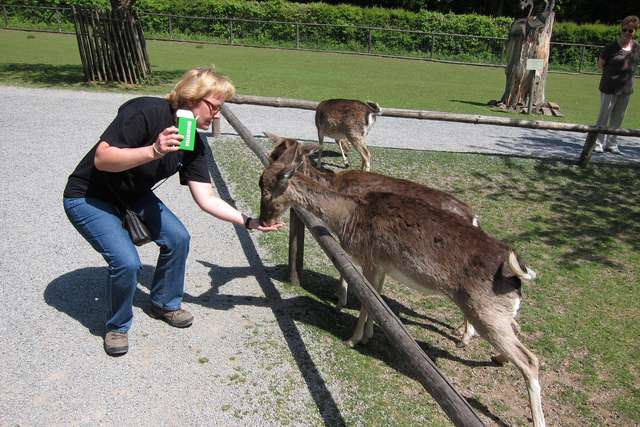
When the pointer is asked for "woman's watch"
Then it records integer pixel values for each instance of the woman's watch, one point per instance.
(247, 221)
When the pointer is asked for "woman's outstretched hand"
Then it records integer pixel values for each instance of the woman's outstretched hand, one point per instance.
(254, 224)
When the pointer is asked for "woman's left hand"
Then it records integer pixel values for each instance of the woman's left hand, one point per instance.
(254, 224)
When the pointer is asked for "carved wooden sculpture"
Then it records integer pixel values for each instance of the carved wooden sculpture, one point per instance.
(529, 38)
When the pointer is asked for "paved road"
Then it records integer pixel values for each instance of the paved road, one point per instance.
(223, 370)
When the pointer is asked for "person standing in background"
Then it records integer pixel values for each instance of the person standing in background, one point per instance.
(618, 62)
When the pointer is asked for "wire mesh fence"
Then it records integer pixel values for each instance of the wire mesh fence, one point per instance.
(393, 42)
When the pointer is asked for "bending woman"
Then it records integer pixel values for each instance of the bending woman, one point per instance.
(137, 150)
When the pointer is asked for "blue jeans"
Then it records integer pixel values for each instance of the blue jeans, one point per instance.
(99, 222)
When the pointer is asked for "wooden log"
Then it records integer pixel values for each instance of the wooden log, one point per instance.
(587, 149)
(437, 115)
(115, 64)
(454, 405)
(129, 46)
(81, 47)
(296, 248)
(86, 42)
(126, 47)
(245, 134)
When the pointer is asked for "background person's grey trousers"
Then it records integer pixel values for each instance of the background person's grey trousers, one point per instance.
(612, 109)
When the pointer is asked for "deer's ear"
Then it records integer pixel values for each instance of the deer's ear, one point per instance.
(273, 137)
(309, 149)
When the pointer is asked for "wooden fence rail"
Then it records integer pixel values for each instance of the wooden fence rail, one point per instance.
(587, 150)
(454, 405)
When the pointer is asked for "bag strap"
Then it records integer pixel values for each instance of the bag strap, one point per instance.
(122, 205)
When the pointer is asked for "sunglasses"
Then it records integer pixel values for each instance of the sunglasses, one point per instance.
(212, 108)
(628, 30)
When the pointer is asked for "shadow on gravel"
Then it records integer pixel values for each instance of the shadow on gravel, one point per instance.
(80, 294)
(318, 390)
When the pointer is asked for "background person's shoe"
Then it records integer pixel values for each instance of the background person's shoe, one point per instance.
(177, 318)
(116, 343)
(598, 148)
(614, 149)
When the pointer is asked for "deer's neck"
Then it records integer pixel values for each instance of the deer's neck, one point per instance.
(326, 178)
(332, 207)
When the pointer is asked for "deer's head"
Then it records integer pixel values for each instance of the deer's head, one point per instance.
(274, 183)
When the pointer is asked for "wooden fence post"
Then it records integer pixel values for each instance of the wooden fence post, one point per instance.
(296, 248)
(587, 149)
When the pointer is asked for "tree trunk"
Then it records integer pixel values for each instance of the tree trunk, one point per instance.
(529, 38)
(534, 45)
(112, 45)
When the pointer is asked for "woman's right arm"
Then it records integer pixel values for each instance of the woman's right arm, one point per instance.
(115, 159)
(601, 63)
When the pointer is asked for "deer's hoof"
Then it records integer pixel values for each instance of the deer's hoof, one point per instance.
(499, 359)
(350, 343)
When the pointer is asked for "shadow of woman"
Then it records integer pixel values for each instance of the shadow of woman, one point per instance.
(80, 294)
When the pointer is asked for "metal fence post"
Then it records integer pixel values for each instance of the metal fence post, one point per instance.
(297, 35)
(369, 42)
(58, 21)
(6, 18)
(230, 31)
(433, 42)
(170, 27)
(581, 59)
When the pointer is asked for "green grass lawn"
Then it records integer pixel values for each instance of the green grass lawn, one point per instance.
(44, 59)
(577, 228)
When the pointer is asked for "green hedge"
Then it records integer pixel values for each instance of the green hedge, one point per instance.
(346, 37)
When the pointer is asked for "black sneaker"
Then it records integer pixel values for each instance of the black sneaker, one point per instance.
(116, 343)
(177, 318)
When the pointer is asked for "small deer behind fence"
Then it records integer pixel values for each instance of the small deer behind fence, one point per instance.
(421, 246)
(348, 121)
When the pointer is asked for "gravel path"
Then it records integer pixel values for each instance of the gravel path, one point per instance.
(241, 362)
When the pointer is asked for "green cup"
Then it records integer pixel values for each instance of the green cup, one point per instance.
(187, 128)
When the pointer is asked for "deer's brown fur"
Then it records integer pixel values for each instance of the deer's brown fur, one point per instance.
(347, 121)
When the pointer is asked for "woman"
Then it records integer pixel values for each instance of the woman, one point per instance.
(618, 62)
(137, 150)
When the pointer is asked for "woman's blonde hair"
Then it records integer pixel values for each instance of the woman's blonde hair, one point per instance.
(197, 84)
(631, 19)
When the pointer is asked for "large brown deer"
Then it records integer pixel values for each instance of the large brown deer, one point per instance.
(359, 183)
(347, 121)
(423, 247)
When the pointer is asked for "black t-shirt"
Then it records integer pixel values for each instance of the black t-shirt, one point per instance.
(619, 68)
(138, 124)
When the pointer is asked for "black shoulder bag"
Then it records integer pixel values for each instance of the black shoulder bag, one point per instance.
(131, 221)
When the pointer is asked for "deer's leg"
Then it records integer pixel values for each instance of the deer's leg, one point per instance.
(341, 293)
(467, 331)
(341, 144)
(361, 145)
(320, 148)
(372, 275)
(507, 343)
(379, 282)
